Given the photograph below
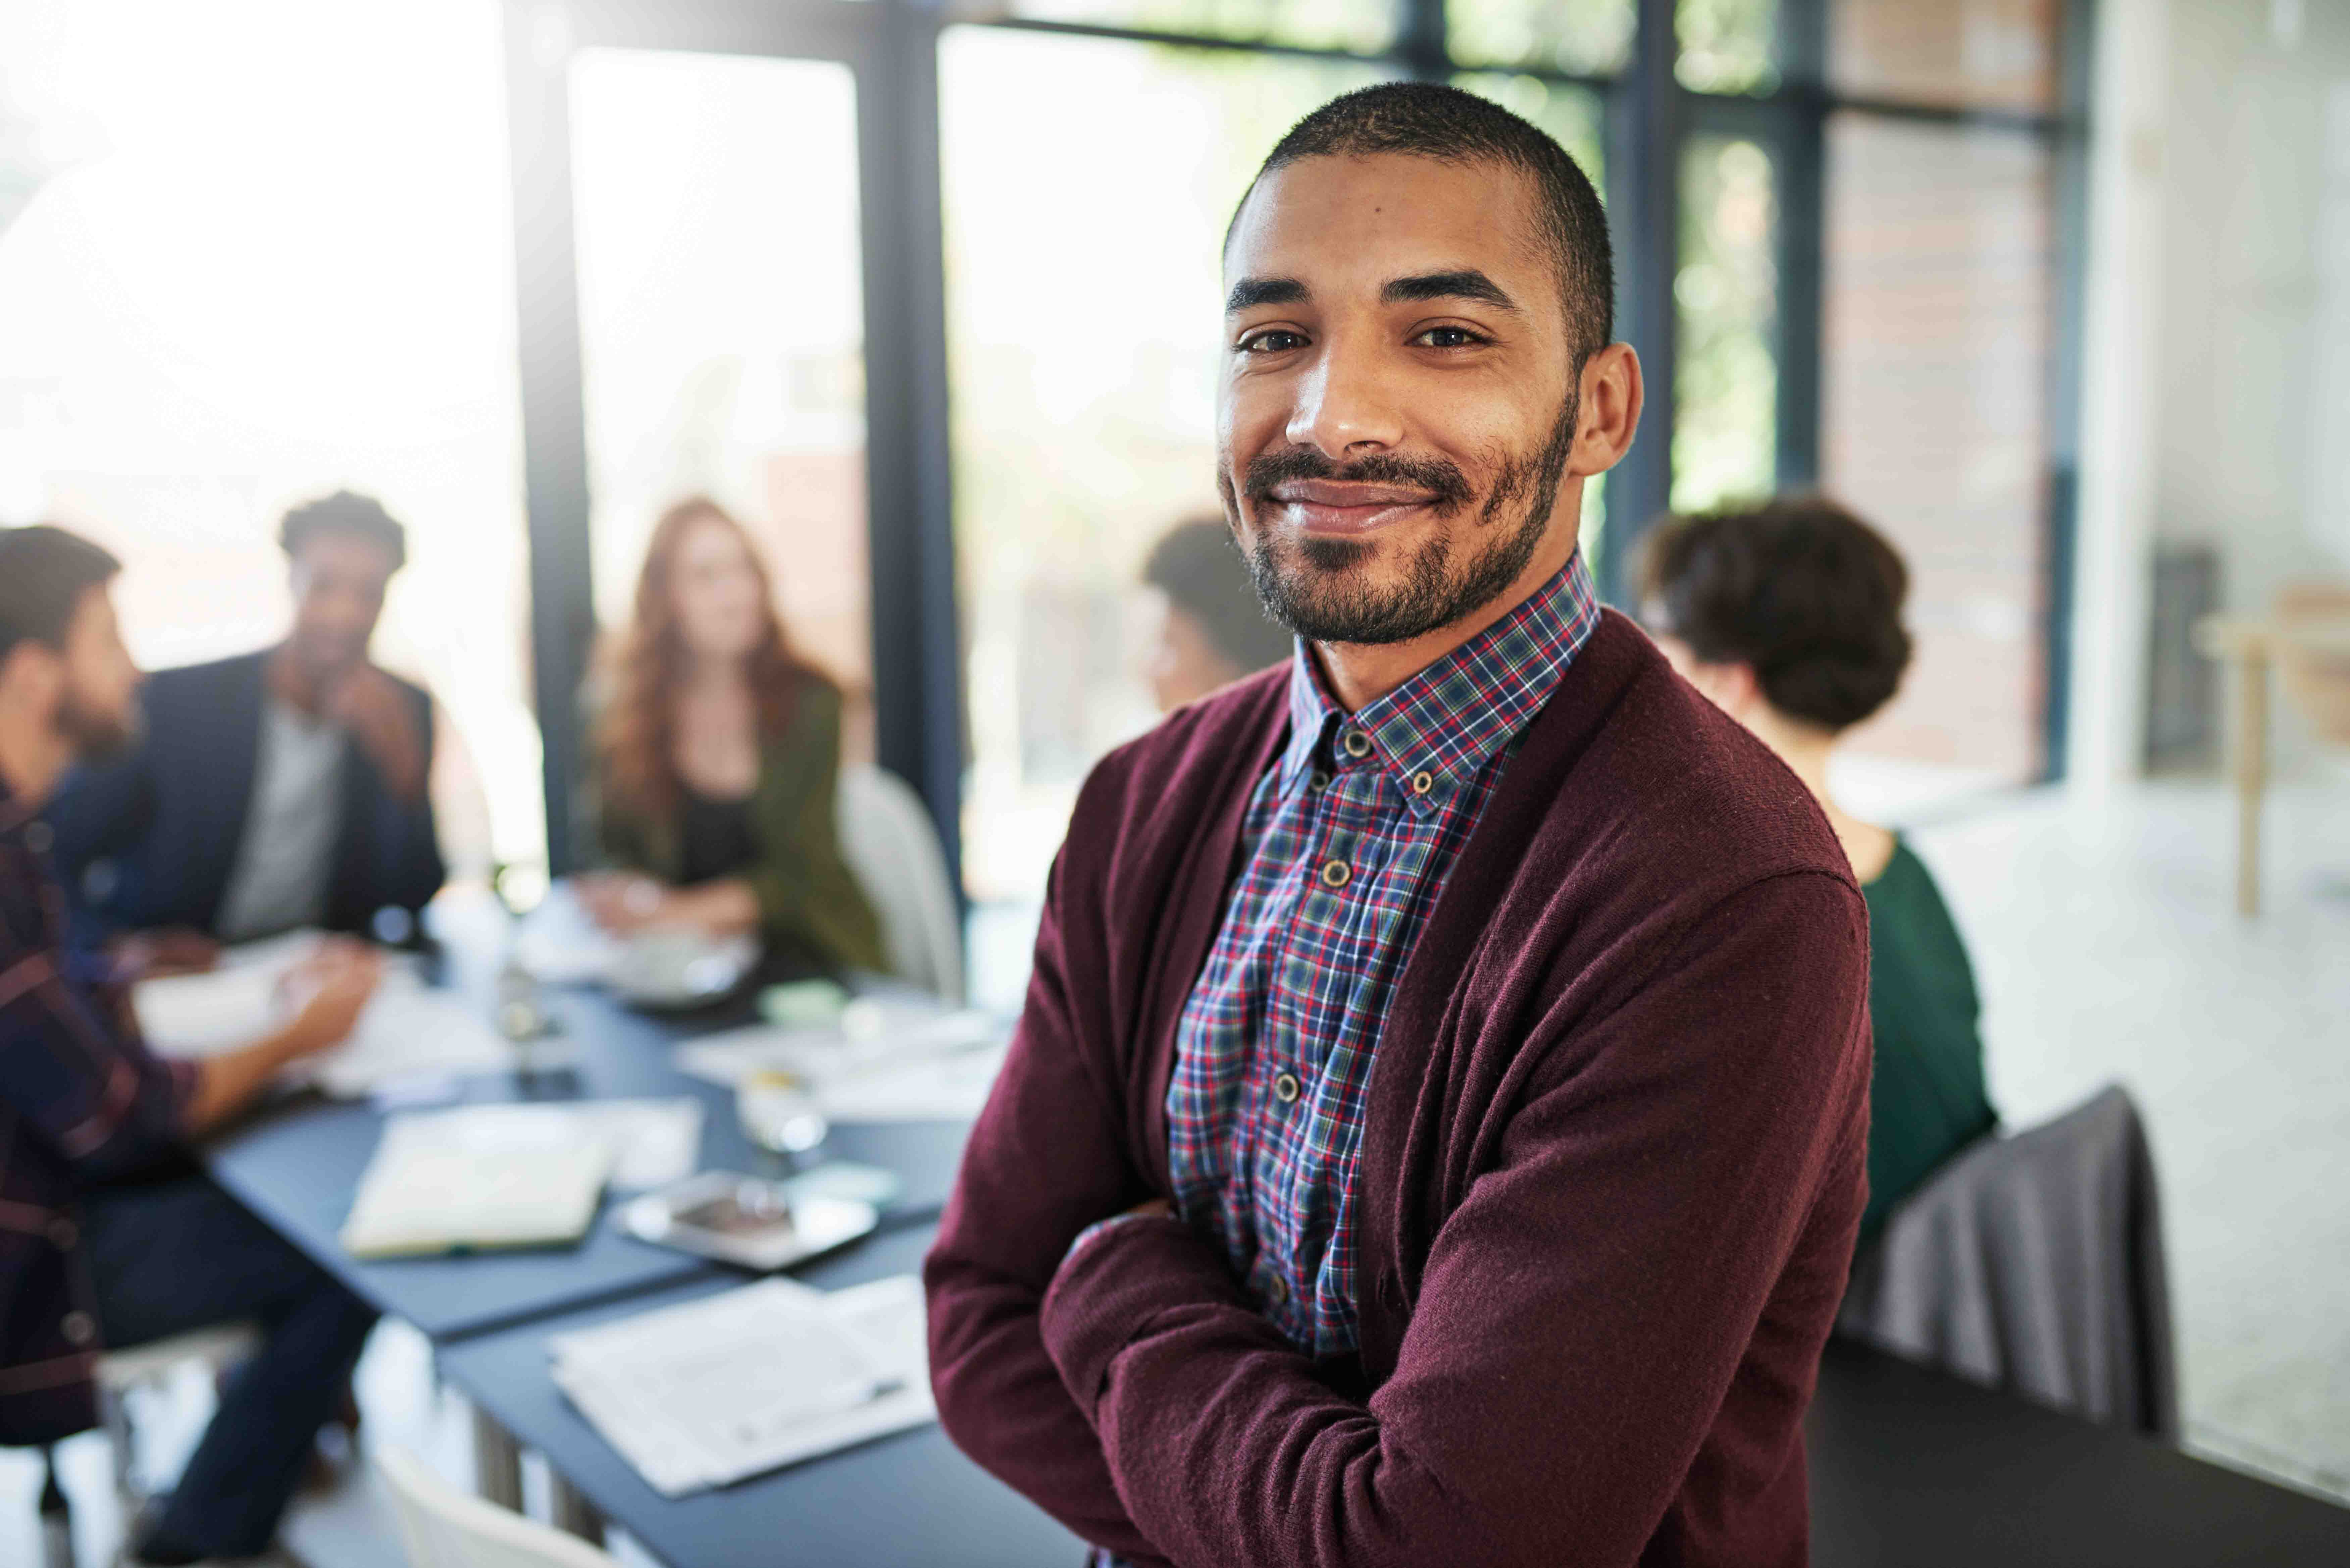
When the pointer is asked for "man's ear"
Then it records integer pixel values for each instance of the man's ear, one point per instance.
(1608, 410)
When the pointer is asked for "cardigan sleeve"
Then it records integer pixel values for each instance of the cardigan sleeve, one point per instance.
(1584, 1311)
(1046, 1160)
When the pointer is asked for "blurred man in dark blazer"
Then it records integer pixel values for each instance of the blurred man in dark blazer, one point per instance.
(271, 791)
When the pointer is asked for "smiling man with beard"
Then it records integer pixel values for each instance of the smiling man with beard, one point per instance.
(1435, 1132)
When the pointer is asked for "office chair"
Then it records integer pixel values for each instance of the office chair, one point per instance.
(892, 850)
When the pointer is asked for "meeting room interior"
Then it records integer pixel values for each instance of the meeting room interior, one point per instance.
(1206, 783)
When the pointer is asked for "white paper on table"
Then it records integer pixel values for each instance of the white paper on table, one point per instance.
(479, 1177)
(942, 1089)
(752, 1379)
(907, 1032)
(406, 1029)
(653, 1142)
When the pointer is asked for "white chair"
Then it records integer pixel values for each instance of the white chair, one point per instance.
(442, 1527)
(893, 852)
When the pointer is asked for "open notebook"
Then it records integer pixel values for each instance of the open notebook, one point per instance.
(496, 1176)
(751, 1380)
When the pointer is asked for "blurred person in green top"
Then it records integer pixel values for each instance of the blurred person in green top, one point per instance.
(718, 761)
(1788, 616)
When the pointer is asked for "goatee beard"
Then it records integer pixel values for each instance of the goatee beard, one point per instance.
(1309, 587)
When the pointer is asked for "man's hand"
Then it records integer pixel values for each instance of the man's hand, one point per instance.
(370, 706)
(335, 984)
(150, 955)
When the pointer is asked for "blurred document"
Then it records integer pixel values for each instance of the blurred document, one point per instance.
(889, 1061)
(407, 1029)
(751, 1380)
(480, 1177)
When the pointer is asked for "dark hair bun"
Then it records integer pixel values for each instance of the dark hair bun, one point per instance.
(1799, 588)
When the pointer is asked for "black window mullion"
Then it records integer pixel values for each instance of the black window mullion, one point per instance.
(917, 647)
(1645, 124)
(1800, 147)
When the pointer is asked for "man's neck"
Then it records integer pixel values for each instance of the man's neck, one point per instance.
(1360, 673)
(33, 757)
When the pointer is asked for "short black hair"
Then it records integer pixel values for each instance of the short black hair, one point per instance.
(1198, 569)
(1428, 120)
(1797, 587)
(44, 573)
(344, 511)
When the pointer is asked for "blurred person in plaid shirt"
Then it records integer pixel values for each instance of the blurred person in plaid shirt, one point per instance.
(108, 1237)
(1435, 1132)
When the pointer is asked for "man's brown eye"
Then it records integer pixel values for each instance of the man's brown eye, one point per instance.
(1448, 337)
(1273, 342)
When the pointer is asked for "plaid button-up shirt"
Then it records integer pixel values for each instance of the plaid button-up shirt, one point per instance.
(1346, 846)
(81, 1100)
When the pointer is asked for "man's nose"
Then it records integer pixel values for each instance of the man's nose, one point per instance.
(1347, 403)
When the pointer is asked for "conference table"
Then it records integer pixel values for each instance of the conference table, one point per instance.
(296, 1164)
(1907, 1465)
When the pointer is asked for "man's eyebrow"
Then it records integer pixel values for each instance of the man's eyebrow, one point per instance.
(1251, 292)
(1467, 283)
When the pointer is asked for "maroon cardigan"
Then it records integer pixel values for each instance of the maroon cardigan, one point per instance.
(1611, 1171)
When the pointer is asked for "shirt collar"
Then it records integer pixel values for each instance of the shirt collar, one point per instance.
(1451, 719)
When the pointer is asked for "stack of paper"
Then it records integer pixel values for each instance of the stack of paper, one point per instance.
(751, 1380)
(482, 1176)
(888, 1062)
(407, 1029)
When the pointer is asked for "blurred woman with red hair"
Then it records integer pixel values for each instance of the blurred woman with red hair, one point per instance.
(718, 760)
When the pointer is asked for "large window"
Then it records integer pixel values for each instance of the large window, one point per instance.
(265, 254)
(1843, 239)
(721, 323)
(1861, 292)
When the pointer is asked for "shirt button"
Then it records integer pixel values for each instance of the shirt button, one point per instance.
(1336, 873)
(37, 838)
(63, 1234)
(1357, 744)
(1319, 781)
(1286, 1087)
(79, 1328)
(1276, 1290)
(1423, 782)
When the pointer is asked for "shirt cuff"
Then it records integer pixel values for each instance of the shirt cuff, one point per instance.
(1110, 1288)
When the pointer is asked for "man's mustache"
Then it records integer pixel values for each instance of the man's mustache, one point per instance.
(1447, 486)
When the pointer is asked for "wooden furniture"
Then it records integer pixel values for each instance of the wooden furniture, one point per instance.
(2310, 640)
